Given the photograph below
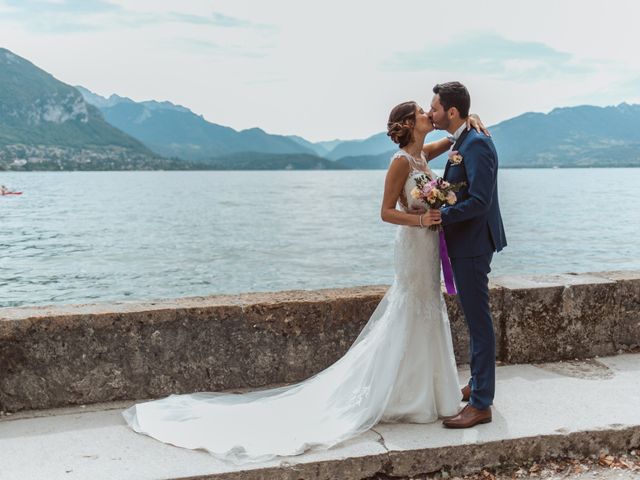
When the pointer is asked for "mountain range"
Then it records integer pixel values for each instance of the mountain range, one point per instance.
(570, 136)
(175, 131)
(580, 136)
(46, 124)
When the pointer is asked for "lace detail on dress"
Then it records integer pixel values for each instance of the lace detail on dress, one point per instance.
(417, 168)
(420, 165)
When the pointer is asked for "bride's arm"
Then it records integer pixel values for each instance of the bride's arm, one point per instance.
(393, 185)
(433, 149)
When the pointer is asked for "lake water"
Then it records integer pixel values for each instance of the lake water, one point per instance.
(76, 237)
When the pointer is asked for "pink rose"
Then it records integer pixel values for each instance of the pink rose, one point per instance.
(451, 198)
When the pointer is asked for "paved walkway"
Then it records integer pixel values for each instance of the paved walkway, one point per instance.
(543, 410)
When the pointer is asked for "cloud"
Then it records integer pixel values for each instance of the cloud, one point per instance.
(66, 16)
(60, 6)
(492, 55)
(610, 91)
(199, 19)
(214, 49)
(57, 16)
(214, 19)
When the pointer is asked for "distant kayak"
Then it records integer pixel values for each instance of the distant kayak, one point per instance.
(11, 193)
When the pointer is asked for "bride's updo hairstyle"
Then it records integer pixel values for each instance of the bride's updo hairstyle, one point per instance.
(401, 121)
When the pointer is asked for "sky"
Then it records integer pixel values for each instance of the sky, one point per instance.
(333, 68)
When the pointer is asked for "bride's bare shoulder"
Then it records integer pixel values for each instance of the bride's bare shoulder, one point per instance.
(399, 163)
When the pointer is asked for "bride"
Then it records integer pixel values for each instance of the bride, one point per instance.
(401, 367)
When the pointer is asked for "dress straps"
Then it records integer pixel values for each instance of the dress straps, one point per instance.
(418, 165)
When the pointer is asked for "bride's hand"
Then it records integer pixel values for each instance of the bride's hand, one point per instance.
(473, 121)
(432, 217)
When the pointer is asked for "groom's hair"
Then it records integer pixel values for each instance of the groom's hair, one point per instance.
(454, 94)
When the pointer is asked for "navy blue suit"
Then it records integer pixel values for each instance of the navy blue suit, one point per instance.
(474, 231)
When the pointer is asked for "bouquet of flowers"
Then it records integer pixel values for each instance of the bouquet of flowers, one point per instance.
(435, 193)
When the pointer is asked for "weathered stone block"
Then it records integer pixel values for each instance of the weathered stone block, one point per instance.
(55, 356)
(558, 317)
(627, 329)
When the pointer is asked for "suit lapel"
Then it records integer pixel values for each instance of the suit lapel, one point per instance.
(461, 138)
(446, 169)
(456, 146)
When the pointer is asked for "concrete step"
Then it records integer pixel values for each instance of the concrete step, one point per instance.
(541, 411)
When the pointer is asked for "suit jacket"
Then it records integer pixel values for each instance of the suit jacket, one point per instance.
(473, 226)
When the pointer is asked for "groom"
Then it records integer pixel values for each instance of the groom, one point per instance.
(473, 229)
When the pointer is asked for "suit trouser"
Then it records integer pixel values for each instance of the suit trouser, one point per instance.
(471, 277)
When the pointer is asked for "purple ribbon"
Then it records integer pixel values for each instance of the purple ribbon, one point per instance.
(446, 266)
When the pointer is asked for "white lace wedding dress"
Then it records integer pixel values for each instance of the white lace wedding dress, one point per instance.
(401, 368)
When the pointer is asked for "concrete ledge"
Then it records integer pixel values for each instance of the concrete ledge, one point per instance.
(65, 355)
(557, 317)
(542, 411)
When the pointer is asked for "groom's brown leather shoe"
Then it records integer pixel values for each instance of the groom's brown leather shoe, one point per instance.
(466, 393)
(468, 417)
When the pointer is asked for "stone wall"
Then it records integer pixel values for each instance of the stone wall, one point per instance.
(56, 356)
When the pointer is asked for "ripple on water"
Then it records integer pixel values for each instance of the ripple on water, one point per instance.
(102, 236)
